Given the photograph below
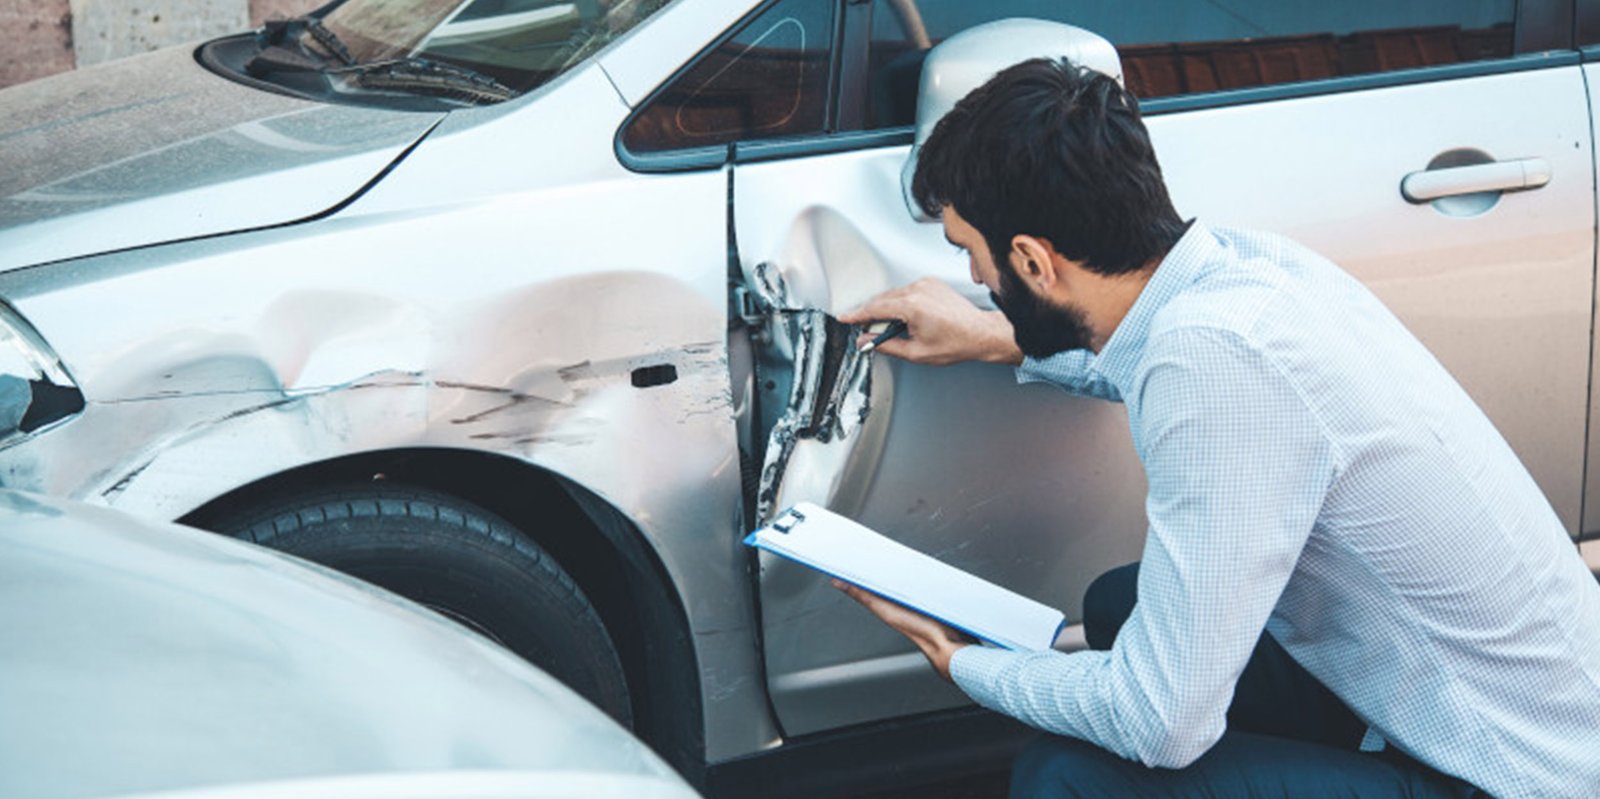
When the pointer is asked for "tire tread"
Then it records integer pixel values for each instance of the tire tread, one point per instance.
(326, 511)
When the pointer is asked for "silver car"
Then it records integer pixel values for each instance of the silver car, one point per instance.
(148, 660)
(523, 309)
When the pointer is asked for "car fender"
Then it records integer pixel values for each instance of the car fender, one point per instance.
(211, 365)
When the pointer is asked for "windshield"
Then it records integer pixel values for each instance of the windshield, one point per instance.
(519, 44)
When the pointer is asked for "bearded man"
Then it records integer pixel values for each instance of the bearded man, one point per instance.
(1350, 586)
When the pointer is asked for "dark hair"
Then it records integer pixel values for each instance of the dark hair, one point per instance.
(1050, 149)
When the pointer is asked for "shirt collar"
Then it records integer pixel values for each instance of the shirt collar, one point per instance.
(1179, 269)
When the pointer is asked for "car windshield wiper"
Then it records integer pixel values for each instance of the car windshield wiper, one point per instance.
(423, 76)
(284, 47)
(329, 40)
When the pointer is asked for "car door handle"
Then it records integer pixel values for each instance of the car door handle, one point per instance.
(1432, 184)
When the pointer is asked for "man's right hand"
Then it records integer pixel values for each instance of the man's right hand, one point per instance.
(942, 327)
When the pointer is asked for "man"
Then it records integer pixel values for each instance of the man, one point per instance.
(1313, 473)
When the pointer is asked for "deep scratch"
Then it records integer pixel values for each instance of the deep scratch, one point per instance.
(122, 484)
(255, 409)
(516, 401)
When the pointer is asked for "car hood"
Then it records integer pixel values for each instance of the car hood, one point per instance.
(157, 148)
(147, 657)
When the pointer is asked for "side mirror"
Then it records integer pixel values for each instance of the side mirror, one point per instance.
(970, 58)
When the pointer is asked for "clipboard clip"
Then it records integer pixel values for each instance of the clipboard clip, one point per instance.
(787, 520)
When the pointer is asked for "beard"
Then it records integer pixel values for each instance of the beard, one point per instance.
(1040, 328)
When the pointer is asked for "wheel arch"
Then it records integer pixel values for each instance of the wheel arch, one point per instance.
(609, 557)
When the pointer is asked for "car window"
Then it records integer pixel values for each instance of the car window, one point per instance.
(768, 80)
(1175, 47)
(1587, 24)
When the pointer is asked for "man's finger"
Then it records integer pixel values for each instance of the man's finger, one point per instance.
(897, 347)
(888, 305)
(930, 635)
(896, 615)
(871, 601)
(855, 592)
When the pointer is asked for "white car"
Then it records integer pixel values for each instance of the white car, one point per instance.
(524, 310)
(151, 660)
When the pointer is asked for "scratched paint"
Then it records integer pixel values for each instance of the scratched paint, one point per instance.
(313, 374)
(448, 307)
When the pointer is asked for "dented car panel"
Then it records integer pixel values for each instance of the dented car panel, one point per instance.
(216, 398)
(215, 363)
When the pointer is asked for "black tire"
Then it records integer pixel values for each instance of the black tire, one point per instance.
(458, 559)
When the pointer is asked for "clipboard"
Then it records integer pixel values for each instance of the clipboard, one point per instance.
(832, 544)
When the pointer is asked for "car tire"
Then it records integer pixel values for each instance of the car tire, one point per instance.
(458, 559)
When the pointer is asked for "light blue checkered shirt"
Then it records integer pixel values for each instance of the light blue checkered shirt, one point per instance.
(1315, 472)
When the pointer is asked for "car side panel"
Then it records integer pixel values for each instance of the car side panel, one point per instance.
(1502, 299)
(490, 297)
(1040, 491)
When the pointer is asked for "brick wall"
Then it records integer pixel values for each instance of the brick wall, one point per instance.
(44, 37)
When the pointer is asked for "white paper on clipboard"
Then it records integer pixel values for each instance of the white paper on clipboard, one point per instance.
(830, 543)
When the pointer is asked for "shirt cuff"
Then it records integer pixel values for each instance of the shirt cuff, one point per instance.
(1065, 369)
(976, 670)
(1031, 371)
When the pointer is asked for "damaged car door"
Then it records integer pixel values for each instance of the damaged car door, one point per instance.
(1040, 491)
(950, 461)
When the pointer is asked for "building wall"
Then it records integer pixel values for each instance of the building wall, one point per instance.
(44, 37)
(38, 36)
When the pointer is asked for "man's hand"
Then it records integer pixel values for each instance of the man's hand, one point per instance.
(941, 326)
(937, 642)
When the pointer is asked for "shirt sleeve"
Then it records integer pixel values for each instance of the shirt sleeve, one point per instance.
(1238, 468)
(1072, 370)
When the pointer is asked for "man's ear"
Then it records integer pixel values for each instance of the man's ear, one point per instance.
(1031, 256)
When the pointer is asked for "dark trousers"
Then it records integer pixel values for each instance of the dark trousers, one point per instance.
(1287, 736)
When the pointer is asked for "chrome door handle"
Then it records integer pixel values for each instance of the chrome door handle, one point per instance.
(1432, 184)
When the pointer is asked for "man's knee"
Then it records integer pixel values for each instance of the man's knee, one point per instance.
(1054, 767)
(1107, 603)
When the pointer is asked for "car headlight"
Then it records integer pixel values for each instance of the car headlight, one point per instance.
(36, 391)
